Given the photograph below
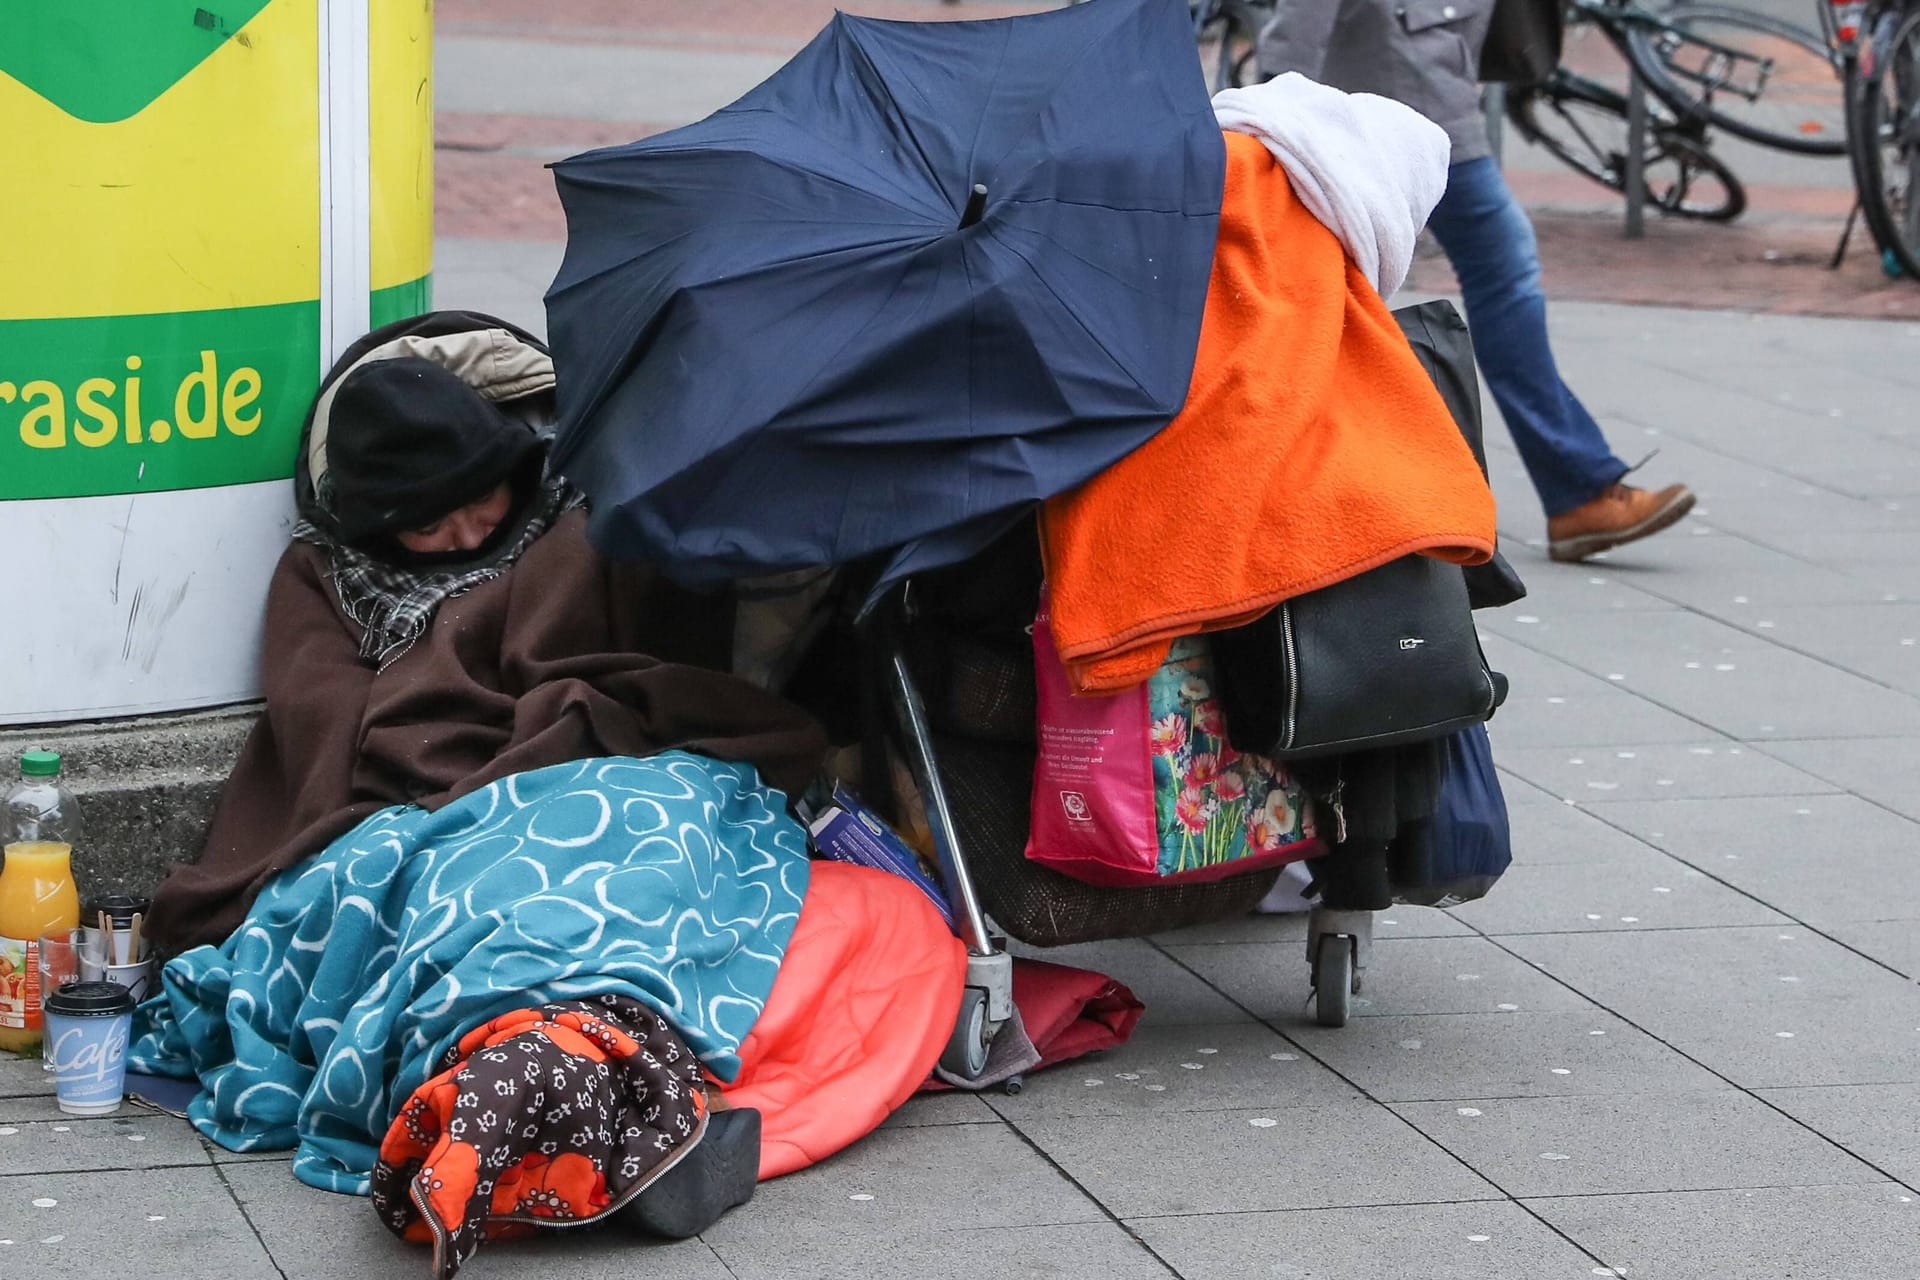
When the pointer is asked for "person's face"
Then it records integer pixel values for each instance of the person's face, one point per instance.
(463, 528)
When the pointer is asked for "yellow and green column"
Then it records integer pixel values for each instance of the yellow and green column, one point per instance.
(206, 202)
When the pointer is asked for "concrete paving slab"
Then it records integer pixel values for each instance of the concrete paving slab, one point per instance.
(1763, 845)
(1894, 943)
(1557, 590)
(1724, 678)
(1647, 891)
(71, 1145)
(39, 1106)
(1661, 771)
(1808, 1233)
(905, 1182)
(1405, 976)
(1553, 704)
(1764, 1007)
(1608, 1145)
(954, 1107)
(1560, 833)
(1878, 641)
(1880, 1123)
(1858, 553)
(1033, 1253)
(1280, 1157)
(1884, 770)
(1884, 472)
(1402, 922)
(317, 1235)
(1714, 569)
(1512, 1054)
(1489, 1240)
(506, 278)
(1169, 1069)
(220, 1155)
(1778, 519)
(591, 82)
(23, 1077)
(1026, 1252)
(178, 1224)
(1173, 996)
(1519, 791)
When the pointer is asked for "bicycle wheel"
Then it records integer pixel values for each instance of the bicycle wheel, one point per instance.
(1224, 31)
(1765, 80)
(1886, 151)
(1585, 127)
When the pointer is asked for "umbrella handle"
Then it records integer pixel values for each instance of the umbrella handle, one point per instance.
(976, 205)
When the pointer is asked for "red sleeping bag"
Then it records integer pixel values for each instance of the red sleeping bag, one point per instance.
(864, 1003)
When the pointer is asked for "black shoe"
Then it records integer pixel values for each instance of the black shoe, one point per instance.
(719, 1173)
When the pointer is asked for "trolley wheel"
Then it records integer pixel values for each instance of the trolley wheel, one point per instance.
(1333, 980)
(966, 1052)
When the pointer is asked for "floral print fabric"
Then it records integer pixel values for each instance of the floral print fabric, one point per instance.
(1143, 787)
(1213, 804)
(556, 1115)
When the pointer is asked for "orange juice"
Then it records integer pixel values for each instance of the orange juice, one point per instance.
(37, 896)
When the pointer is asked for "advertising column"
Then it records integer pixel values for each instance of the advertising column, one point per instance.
(202, 208)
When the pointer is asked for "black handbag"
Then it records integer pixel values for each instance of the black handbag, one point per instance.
(1390, 656)
(1523, 41)
(1382, 659)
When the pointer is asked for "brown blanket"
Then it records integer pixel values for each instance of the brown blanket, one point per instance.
(564, 656)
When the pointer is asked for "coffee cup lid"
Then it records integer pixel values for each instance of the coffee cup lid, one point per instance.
(88, 1000)
(121, 906)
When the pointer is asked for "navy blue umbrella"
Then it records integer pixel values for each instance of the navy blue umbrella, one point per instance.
(923, 277)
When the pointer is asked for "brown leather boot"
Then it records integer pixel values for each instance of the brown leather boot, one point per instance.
(1622, 514)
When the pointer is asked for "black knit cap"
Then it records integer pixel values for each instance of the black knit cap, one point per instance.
(409, 442)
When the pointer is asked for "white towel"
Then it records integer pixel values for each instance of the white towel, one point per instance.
(1369, 168)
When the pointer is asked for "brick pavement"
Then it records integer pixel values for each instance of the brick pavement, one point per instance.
(491, 183)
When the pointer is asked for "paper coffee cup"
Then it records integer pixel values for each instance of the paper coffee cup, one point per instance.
(87, 1028)
(136, 978)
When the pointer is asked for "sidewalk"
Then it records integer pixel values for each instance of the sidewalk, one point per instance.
(1681, 1040)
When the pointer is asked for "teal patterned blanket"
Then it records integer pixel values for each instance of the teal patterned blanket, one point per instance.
(675, 879)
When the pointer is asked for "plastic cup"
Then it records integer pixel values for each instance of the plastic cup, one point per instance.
(88, 1025)
(72, 955)
(136, 978)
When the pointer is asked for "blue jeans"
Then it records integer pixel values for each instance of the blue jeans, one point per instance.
(1489, 239)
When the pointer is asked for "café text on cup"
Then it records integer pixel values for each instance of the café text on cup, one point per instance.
(79, 1054)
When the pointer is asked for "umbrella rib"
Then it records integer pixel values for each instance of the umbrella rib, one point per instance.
(1094, 204)
(1075, 317)
(776, 162)
(1068, 250)
(980, 124)
(899, 113)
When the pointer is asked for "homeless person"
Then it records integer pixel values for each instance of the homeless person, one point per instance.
(496, 898)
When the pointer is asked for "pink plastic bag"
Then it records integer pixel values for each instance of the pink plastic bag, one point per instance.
(1143, 787)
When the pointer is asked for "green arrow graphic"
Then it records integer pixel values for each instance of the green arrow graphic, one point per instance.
(105, 60)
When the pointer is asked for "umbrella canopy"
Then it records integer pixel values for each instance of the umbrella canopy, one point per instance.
(923, 277)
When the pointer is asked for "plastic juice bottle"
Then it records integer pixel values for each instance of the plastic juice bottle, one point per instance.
(37, 895)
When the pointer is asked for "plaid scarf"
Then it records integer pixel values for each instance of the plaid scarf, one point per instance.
(393, 605)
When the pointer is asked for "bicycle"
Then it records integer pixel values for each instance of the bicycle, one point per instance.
(1225, 31)
(1878, 43)
(1704, 65)
(1584, 124)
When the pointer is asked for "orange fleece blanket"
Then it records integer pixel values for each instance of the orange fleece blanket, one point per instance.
(1312, 447)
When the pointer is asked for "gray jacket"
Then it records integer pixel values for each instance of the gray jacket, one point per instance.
(1425, 53)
